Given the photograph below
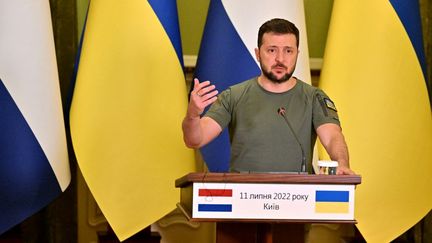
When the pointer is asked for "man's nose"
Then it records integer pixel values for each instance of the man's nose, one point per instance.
(279, 56)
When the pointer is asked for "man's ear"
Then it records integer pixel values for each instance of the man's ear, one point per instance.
(257, 54)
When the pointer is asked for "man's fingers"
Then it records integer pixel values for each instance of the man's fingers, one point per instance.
(209, 95)
(210, 101)
(199, 85)
(345, 171)
(201, 89)
(196, 83)
(206, 90)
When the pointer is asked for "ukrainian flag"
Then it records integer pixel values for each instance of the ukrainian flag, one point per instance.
(332, 201)
(129, 101)
(226, 55)
(374, 69)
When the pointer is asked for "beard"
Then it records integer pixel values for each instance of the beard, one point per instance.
(272, 77)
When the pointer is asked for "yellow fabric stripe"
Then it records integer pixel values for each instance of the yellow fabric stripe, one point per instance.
(331, 207)
(129, 101)
(372, 74)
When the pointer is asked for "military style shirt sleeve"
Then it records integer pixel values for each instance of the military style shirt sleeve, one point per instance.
(324, 110)
(220, 111)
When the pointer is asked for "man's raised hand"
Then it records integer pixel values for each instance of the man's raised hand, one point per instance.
(202, 95)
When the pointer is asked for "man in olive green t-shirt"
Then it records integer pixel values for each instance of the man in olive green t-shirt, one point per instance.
(273, 119)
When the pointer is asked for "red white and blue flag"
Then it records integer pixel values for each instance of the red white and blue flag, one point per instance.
(34, 167)
(215, 200)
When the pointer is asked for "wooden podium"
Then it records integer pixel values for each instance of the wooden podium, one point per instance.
(266, 207)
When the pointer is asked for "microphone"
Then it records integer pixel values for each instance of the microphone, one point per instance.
(281, 111)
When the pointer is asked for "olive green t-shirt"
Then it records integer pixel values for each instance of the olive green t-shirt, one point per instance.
(261, 140)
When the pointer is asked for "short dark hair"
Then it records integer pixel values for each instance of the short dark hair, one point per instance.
(278, 26)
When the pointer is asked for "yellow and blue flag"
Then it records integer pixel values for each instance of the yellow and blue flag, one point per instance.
(128, 104)
(34, 166)
(331, 201)
(226, 56)
(374, 69)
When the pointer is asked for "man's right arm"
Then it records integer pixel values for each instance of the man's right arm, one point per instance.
(198, 131)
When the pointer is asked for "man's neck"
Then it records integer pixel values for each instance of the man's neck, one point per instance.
(273, 87)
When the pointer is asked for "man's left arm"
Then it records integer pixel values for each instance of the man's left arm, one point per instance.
(333, 141)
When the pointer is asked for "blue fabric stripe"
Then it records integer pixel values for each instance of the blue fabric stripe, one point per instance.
(224, 60)
(409, 14)
(166, 10)
(332, 196)
(27, 181)
(214, 208)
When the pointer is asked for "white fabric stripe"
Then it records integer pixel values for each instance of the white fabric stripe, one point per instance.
(248, 15)
(28, 69)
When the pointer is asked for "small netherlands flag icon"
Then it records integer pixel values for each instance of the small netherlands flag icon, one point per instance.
(215, 200)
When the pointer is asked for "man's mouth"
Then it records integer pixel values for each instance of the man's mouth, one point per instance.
(279, 68)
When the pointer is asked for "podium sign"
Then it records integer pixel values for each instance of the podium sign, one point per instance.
(268, 197)
(272, 201)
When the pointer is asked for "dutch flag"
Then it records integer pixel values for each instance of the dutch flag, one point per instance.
(34, 167)
(210, 200)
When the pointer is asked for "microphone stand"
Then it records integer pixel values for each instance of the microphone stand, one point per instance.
(281, 111)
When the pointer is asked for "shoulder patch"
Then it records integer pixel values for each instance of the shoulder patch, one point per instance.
(330, 104)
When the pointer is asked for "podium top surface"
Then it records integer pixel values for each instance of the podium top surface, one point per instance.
(284, 178)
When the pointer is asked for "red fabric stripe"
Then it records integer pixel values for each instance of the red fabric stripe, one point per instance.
(215, 192)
